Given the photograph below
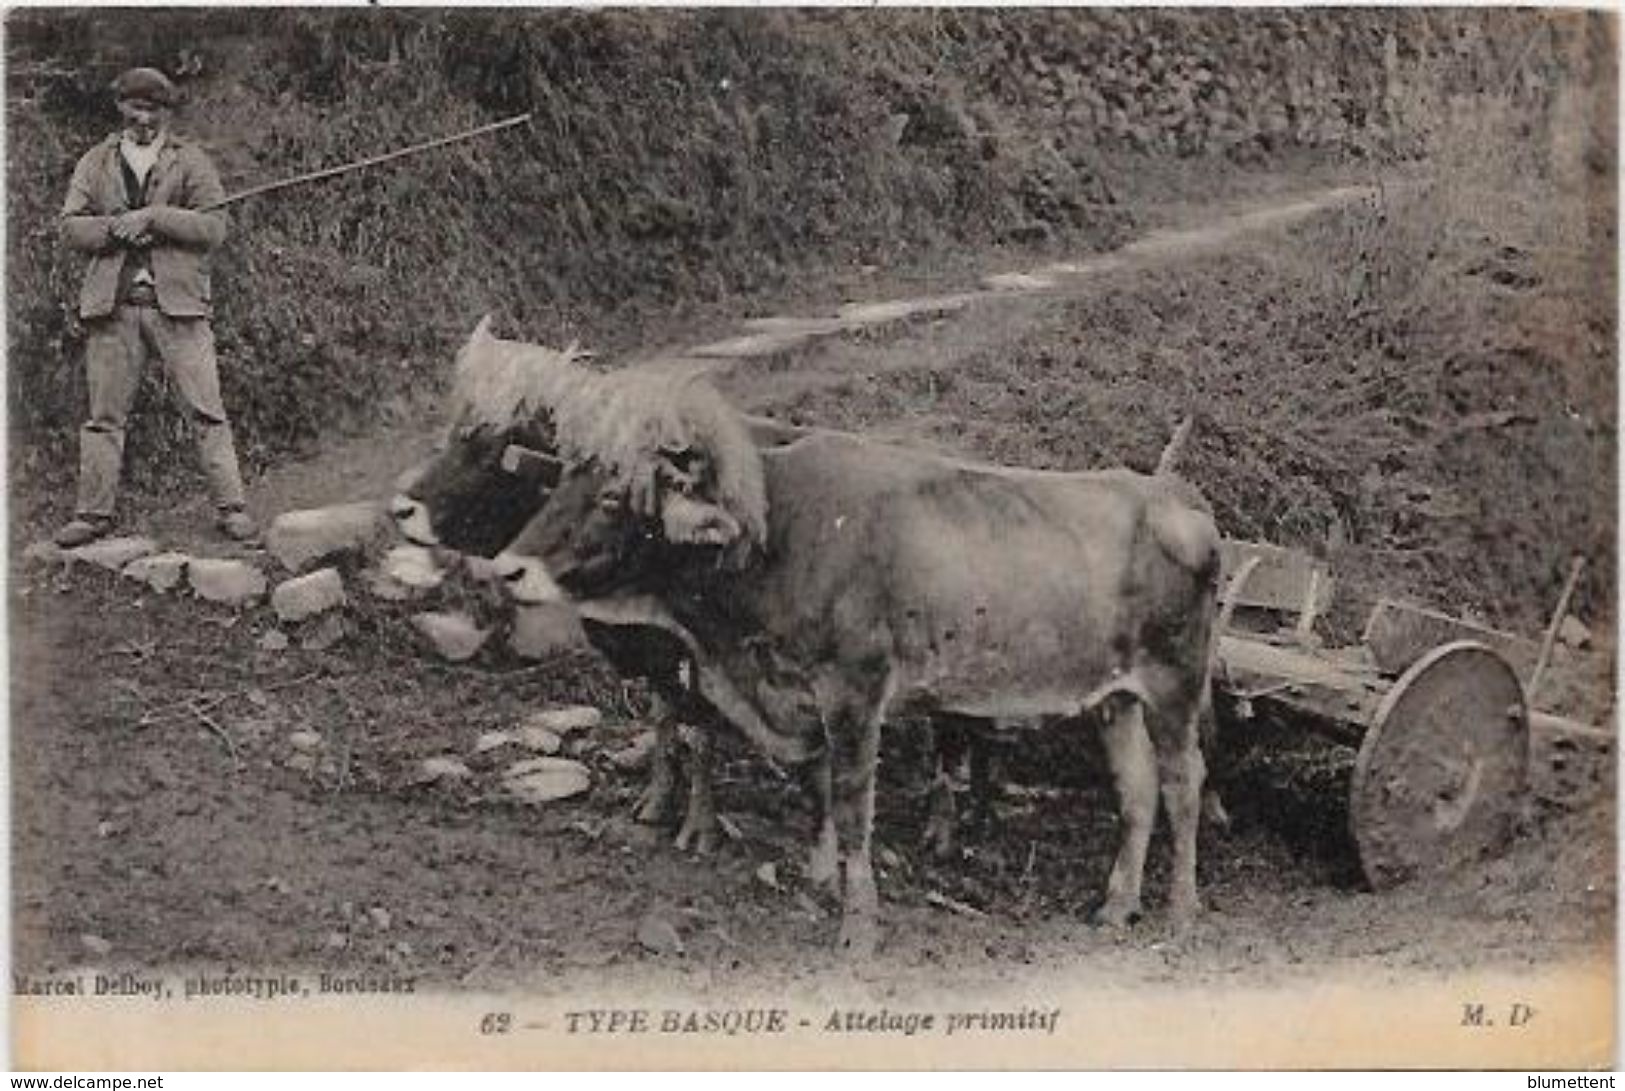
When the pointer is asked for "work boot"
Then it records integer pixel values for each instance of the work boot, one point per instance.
(84, 530)
(236, 524)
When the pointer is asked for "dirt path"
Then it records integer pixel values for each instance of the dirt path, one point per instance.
(778, 359)
(774, 363)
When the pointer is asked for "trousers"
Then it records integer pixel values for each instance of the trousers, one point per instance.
(116, 353)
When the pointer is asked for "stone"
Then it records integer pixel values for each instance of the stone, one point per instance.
(301, 762)
(300, 540)
(440, 768)
(753, 344)
(1574, 632)
(380, 585)
(659, 936)
(306, 596)
(274, 640)
(539, 631)
(305, 740)
(96, 945)
(492, 740)
(865, 314)
(323, 633)
(539, 739)
(412, 567)
(159, 571)
(235, 583)
(44, 552)
(112, 553)
(1017, 282)
(525, 768)
(786, 324)
(543, 780)
(565, 721)
(453, 636)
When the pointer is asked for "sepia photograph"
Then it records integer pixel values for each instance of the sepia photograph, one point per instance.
(812, 538)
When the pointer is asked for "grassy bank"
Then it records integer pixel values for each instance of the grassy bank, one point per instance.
(677, 162)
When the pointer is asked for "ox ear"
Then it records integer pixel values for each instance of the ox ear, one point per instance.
(687, 521)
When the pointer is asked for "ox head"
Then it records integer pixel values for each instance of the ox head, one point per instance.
(670, 519)
(497, 463)
(604, 533)
(476, 492)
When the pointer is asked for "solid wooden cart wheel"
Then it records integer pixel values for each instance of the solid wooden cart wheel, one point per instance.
(1443, 768)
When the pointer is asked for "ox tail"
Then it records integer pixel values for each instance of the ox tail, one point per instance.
(1207, 724)
(1176, 445)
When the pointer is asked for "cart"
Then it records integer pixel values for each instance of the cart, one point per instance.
(1424, 729)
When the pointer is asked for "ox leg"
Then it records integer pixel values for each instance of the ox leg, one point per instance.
(1134, 772)
(700, 819)
(1181, 772)
(824, 862)
(984, 774)
(1207, 734)
(950, 738)
(855, 753)
(656, 802)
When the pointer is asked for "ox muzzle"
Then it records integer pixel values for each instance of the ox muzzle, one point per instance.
(527, 580)
(412, 520)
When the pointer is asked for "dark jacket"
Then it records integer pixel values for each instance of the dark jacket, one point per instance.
(182, 181)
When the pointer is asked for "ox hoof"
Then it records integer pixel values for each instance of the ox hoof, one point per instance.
(1213, 812)
(1182, 915)
(701, 837)
(654, 805)
(1116, 915)
(939, 839)
(824, 873)
(860, 935)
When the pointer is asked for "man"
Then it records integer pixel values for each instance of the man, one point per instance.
(138, 207)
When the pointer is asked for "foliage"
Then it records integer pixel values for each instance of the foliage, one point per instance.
(675, 161)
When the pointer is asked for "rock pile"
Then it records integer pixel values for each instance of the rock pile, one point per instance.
(318, 546)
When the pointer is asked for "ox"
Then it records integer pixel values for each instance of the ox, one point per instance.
(494, 470)
(827, 585)
(491, 473)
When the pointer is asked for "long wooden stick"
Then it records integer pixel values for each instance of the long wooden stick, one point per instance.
(333, 172)
(1551, 630)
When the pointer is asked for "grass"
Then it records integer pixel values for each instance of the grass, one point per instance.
(677, 163)
(1419, 387)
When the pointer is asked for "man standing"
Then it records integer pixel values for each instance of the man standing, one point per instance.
(138, 208)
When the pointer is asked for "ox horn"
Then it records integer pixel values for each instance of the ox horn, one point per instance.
(516, 459)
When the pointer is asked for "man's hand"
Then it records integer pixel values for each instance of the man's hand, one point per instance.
(133, 228)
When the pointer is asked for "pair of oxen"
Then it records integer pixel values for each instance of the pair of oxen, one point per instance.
(808, 586)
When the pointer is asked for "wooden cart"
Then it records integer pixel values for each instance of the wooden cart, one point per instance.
(1435, 711)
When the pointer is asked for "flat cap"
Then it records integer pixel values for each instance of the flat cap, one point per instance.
(147, 85)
